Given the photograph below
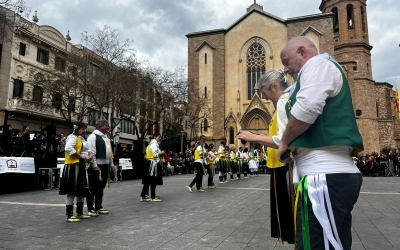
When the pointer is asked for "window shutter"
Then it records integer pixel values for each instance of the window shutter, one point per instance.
(18, 88)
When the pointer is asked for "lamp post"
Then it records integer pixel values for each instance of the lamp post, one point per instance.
(115, 135)
(183, 133)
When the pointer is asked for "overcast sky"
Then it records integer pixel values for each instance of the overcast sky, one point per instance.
(158, 27)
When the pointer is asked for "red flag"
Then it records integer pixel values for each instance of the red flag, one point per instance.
(396, 100)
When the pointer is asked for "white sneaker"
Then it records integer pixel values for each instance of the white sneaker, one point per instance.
(146, 198)
(190, 190)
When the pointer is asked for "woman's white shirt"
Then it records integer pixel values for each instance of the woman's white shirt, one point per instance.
(71, 142)
(282, 118)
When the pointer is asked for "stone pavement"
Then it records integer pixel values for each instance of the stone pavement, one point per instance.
(232, 216)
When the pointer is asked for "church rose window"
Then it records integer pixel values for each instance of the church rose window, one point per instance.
(255, 67)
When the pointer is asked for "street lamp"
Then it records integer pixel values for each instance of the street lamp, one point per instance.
(183, 133)
(215, 141)
(115, 136)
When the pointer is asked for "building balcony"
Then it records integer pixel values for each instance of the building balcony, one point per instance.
(35, 109)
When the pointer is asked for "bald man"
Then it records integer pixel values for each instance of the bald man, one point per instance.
(323, 134)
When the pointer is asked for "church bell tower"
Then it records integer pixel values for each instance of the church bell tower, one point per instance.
(353, 51)
(351, 41)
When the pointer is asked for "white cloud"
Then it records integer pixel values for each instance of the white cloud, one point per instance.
(158, 27)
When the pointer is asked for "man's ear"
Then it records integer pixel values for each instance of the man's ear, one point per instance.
(302, 51)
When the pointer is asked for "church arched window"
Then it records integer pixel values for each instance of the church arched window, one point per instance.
(205, 125)
(335, 19)
(255, 67)
(231, 135)
(362, 18)
(350, 16)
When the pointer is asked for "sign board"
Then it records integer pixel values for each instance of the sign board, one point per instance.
(60, 164)
(21, 165)
(124, 145)
(125, 163)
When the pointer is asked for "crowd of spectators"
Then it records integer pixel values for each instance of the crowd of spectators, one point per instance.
(179, 163)
(383, 164)
(174, 163)
(386, 163)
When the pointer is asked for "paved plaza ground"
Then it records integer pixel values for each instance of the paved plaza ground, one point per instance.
(233, 216)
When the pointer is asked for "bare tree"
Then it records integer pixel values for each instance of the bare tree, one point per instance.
(82, 84)
(62, 82)
(109, 60)
(165, 92)
(197, 110)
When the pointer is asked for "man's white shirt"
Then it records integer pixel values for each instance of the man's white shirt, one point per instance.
(320, 79)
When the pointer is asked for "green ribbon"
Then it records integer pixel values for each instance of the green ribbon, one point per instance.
(304, 213)
(151, 167)
(109, 177)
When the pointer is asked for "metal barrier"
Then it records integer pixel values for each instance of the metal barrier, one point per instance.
(45, 179)
(119, 173)
(48, 178)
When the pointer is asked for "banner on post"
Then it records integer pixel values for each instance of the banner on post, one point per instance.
(21, 165)
(125, 163)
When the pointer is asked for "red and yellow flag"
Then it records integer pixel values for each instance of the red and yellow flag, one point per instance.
(396, 99)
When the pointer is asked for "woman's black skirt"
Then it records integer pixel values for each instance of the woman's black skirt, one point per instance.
(281, 203)
(152, 179)
(74, 180)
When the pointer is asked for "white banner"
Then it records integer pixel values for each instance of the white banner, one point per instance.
(125, 163)
(22, 165)
(60, 164)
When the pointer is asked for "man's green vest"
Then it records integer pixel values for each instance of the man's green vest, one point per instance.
(101, 152)
(336, 126)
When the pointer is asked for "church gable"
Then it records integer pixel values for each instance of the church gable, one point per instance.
(231, 124)
(256, 102)
(231, 117)
(255, 12)
(313, 34)
(254, 112)
(311, 29)
(51, 34)
(205, 43)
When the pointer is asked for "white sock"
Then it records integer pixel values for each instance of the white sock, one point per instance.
(69, 200)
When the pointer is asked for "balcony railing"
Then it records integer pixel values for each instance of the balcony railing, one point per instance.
(35, 108)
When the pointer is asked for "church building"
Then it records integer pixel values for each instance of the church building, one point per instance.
(224, 66)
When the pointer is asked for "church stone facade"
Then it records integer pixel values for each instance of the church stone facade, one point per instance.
(227, 63)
